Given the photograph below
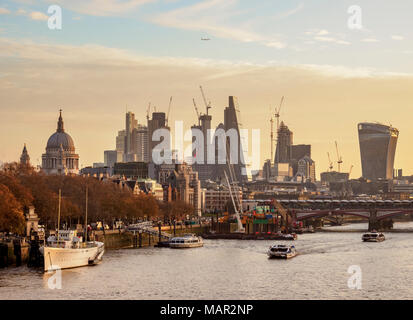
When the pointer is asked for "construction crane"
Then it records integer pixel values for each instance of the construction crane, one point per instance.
(339, 159)
(148, 111)
(237, 206)
(277, 116)
(330, 163)
(272, 137)
(277, 113)
(169, 110)
(197, 112)
(207, 105)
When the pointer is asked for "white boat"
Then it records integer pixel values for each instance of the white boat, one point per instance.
(68, 251)
(373, 237)
(282, 251)
(186, 241)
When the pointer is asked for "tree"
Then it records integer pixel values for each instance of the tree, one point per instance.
(20, 192)
(148, 204)
(11, 214)
(107, 201)
(176, 209)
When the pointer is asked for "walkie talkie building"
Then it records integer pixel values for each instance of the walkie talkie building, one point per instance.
(377, 149)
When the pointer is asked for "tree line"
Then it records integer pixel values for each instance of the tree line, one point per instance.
(21, 186)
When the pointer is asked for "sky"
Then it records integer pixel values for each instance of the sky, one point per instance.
(112, 55)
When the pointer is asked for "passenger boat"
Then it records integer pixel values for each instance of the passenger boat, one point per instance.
(373, 237)
(289, 236)
(282, 251)
(69, 251)
(186, 241)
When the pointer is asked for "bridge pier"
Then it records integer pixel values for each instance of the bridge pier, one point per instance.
(379, 225)
(373, 223)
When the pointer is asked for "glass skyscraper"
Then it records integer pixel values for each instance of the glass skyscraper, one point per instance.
(377, 149)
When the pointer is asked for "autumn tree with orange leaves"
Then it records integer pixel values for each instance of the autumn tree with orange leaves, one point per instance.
(107, 201)
(11, 214)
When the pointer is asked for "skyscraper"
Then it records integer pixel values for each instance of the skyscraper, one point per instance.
(141, 143)
(158, 121)
(231, 122)
(215, 171)
(130, 124)
(377, 149)
(120, 142)
(284, 144)
(132, 142)
(204, 169)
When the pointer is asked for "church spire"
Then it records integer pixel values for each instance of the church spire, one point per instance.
(60, 127)
(25, 158)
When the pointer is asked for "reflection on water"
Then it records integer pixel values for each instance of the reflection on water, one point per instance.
(231, 269)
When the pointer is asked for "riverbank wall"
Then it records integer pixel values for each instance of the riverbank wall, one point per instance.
(13, 253)
(114, 239)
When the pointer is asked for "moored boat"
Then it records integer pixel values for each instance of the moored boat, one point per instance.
(186, 241)
(66, 250)
(69, 251)
(373, 237)
(281, 251)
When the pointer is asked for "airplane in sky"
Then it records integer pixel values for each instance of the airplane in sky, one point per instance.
(205, 39)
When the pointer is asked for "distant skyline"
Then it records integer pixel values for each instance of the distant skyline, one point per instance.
(112, 54)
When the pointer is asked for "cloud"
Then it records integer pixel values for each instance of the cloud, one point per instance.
(98, 56)
(317, 32)
(331, 39)
(21, 12)
(4, 11)
(292, 11)
(275, 44)
(352, 73)
(323, 32)
(397, 37)
(213, 16)
(101, 7)
(323, 35)
(370, 40)
(36, 15)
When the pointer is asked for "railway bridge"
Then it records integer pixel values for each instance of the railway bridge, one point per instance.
(378, 213)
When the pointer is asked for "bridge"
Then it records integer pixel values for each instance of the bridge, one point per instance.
(373, 211)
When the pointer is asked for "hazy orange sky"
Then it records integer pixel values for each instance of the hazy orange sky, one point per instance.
(130, 53)
(93, 85)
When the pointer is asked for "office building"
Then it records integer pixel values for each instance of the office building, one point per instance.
(377, 150)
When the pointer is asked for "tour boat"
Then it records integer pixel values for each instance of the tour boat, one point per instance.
(285, 236)
(373, 237)
(69, 251)
(186, 241)
(282, 251)
(290, 236)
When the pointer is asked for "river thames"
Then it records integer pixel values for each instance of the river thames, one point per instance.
(235, 269)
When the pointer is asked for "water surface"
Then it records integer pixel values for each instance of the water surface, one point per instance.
(231, 269)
